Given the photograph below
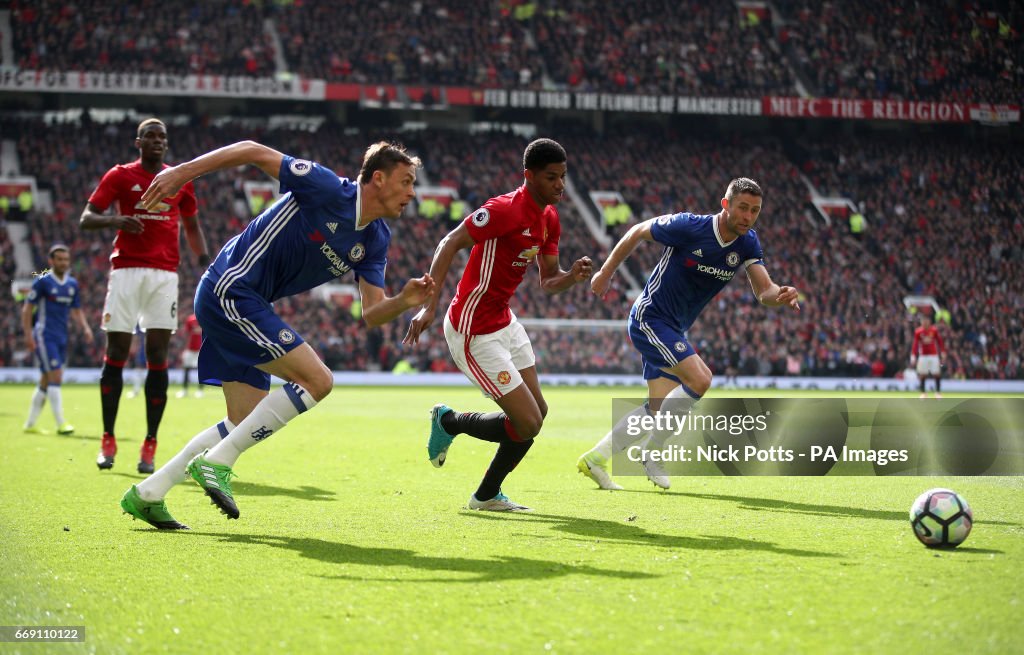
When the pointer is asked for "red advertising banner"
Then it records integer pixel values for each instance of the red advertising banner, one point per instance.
(897, 110)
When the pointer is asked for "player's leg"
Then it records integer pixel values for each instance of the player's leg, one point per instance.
(309, 381)
(146, 500)
(694, 379)
(38, 401)
(157, 343)
(525, 412)
(53, 393)
(111, 385)
(521, 419)
(120, 316)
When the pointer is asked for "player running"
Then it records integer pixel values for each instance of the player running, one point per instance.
(53, 297)
(143, 287)
(321, 228)
(486, 341)
(701, 256)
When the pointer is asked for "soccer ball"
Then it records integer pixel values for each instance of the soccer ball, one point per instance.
(941, 518)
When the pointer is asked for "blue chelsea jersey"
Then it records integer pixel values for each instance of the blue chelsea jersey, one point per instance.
(54, 300)
(696, 264)
(308, 237)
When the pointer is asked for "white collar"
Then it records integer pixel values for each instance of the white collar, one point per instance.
(718, 235)
(59, 280)
(359, 206)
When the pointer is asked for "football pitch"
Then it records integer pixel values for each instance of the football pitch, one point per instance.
(349, 541)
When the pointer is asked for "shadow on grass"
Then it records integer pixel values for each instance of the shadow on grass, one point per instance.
(500, 568)
(968, 549)
(241, 489)
(774, 505)
(622, 533)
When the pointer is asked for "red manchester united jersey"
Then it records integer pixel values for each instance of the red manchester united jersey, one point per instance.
(510, 231)
(157, 245)
(927, 341)
(194, 333)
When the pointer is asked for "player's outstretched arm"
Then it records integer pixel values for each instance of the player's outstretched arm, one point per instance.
(379, 309)
(170, 180)
(554, 280)
(768, 293)
(622, 250)
(456, 240)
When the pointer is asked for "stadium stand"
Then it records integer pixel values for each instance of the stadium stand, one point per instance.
(853, 323)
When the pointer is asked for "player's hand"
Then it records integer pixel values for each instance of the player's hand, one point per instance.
(129, 224)
(600, 283)
(789, 296)
(87, 333)
(30, 343)
(582, 269)
(418, 290)
(420, 323)
(165, 185)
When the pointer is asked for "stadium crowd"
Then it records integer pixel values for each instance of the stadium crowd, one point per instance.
(916, 197)
(904, 49)
(907, 49)
(224, 37)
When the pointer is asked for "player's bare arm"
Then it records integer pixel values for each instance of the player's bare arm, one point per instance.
(196, 239)
(554, 280)
(26, 326)
(79, 317)
(622, 250)
(768, 293)
(93, 218)
(379, 309)
(456, 240)
(170, 180)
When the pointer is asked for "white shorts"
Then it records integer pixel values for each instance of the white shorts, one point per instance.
(144, 296)
(492, 361)
(928, 365)
(190, 359)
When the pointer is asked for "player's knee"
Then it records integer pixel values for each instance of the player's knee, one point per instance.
(319, 383)
(528, 428)
(543, 406)
(700, 382)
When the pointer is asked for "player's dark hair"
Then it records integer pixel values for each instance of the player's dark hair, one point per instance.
(743, 185)
(146, 123)
(542, 152)
(384, 156)
(57, 247)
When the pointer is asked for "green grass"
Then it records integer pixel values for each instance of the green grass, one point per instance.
(350, 541)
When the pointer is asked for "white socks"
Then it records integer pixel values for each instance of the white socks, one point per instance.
(269, 416)
(156, 486)
(56, 404)
(36, 407)
(619, 437)
(678, 402)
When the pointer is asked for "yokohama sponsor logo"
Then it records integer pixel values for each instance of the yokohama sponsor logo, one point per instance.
(337, 262)
(720, 273)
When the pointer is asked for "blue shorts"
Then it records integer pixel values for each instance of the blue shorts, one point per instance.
(50, 353)
(240, 331)
(660, 346)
